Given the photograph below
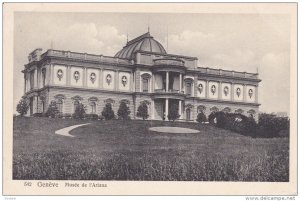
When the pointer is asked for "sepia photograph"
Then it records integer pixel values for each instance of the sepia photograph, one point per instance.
(158, 96)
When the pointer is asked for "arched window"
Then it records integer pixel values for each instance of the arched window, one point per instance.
(76, 103)
(145, 85)
(239, 111)
(214, 109)
(226, 110)
(188, 114)
(201, 109)
(93, 107)
(251, 113)
(59, 104)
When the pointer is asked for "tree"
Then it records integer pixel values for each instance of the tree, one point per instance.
(52, 110)
(107, 112)
(123, 111)
(173, 113)
(201, 117)
(22, 107)
(142, 111)
(79, 111)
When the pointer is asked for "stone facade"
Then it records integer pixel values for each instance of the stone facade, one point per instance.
(146, 74)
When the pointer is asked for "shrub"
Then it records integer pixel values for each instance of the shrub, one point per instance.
(201, 117)
(22, 107)
(79, 111)
(142, 111)
(59, 115)
(173, 113)
(67, 115)
(52, 110)
(107, 112)
(91, 116)
(38, 115)
(123, 112)
(272, 126)
(101, 117)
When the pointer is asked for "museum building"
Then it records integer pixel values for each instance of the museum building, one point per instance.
(141, 71)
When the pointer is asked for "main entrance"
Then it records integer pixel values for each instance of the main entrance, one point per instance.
(164, 106)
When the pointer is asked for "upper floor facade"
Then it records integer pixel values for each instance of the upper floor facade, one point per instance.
(144, 70)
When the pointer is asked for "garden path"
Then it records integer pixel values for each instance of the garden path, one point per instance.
(66, 131)
(165, 129)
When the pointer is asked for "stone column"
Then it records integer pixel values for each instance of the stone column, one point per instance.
(244, 93)
(220, 91)
(51, 70)
(167, 81)
(25, 80)
(179, 109)
(68, 75)
(117, 80)
(256, 94)
(232, 92)
(35, 80)
(100, 79)
(207, 89)
(133, 82)
(152, 109)
(153, 82)
(180, 82)
(84, 77)
(166, 109)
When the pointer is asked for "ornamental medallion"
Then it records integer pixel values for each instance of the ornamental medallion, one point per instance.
(250, 92)
(76, 75)
(108, 79)
(60, 74)
(213, 89)
(226, 89)
(124, 80)
(93, 77)
(238, 91)
(200, 88)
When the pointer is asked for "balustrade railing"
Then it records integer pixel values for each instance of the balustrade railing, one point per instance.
(84, 56)
(221, 72)
(173, 62)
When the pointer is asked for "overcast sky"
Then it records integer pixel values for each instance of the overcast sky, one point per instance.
(241, 42)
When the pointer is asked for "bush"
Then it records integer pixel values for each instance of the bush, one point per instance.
(269, 125)
(79, 111)
(52, 110)
(123, 112)
(173, 113)
(107, 112)
(101, 117)
(22, 107)
(142, 111)
(91, 116)
(59, 115)
(201, 117)
(272, 126)
(67, 116)
(38, 115)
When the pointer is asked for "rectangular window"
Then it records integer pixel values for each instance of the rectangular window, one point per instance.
(145, 85)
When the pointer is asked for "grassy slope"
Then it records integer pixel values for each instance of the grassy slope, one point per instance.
(127, 150)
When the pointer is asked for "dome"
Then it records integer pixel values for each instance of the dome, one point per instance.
(144, 42)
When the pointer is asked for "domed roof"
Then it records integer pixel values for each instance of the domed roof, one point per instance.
(144, 42)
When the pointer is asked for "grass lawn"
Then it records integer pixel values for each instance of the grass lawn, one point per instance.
(127, 150)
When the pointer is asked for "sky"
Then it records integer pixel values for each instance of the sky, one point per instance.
(240, 42)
